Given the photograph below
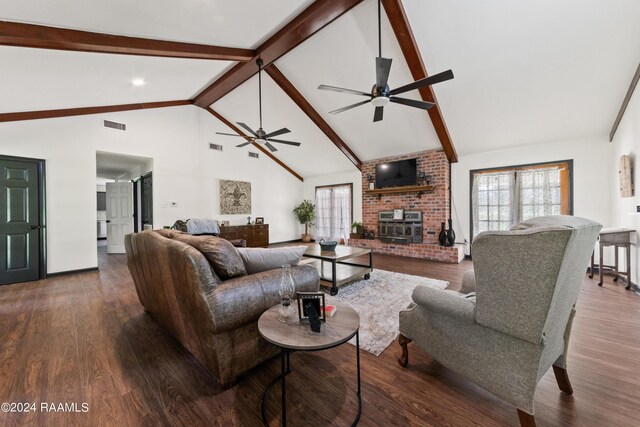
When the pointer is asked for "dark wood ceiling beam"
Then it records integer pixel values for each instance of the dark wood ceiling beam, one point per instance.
(51, 114)
(315, 17)
(400, 24)
(304, 105)
(625, 103)
(43, 37)
(258, 146)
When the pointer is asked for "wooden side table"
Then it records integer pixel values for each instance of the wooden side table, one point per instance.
(297, 336)
(618, 238)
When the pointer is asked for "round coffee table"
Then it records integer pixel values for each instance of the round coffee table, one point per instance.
(297, 336)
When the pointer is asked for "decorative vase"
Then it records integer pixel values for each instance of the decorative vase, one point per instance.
(287, 292)
(442, 237)
(451, 235)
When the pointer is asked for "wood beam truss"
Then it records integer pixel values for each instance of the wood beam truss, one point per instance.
(400, 24)
(43, 37)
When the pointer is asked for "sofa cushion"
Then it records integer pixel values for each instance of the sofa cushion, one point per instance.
(220, 253)
(261, 259)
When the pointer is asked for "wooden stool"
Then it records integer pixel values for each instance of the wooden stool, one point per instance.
(618, 238)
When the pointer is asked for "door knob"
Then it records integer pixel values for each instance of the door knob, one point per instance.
(108, 221)
(35, 227)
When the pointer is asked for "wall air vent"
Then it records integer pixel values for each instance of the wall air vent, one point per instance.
(254, 155)
(215, 146)
(115, 125)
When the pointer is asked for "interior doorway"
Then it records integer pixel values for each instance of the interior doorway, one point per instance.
(121, 181)
(22, 219)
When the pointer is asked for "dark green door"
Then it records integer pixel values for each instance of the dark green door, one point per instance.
(20, 226)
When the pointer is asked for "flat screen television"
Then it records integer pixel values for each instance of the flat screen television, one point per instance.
(396, 174)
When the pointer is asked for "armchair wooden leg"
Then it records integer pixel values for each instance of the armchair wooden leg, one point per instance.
(562, 378)
(404, 359)
(526, 420)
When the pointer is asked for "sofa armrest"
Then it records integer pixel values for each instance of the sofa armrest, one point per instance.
(448, 303)
(242, 300)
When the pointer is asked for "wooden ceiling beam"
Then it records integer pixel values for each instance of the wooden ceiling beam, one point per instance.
(400, 24)
(625, 103)
(315, 17)
(315, 117)
(258, 146)
(43, 37)
(50, 114)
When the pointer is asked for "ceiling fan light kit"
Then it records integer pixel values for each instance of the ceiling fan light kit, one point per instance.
(380, 94)
(260, 136)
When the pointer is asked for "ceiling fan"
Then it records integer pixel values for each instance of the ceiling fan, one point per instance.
(380, 94)
(260, 136)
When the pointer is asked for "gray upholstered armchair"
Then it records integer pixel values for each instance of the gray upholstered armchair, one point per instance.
(516, 325)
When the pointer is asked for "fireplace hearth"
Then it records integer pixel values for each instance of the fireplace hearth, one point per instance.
(406, 230)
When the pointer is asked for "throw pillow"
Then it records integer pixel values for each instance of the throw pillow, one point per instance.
(220, 253)
(260, 259)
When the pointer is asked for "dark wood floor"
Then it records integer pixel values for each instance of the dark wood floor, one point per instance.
(85, 338)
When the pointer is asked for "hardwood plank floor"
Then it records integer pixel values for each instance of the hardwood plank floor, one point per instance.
(85, 338)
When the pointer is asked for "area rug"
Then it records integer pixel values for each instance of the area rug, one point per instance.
(378, 302)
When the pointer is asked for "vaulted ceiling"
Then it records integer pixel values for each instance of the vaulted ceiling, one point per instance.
(525, 72)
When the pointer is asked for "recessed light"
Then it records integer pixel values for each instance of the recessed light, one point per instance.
(138, 82)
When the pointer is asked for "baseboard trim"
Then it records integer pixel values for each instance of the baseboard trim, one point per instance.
(67, 272)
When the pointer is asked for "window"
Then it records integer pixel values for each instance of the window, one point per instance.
(503, 197)
(334, 205)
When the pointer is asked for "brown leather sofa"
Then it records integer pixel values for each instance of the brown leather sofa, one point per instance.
(216, 320)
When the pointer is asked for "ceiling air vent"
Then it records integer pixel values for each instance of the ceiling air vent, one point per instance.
(115, 125)
(215, 146)
(254, 155)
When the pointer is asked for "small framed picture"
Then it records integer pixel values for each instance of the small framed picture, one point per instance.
(224, 223)
(259, 220)
(316, 299)
(398, 214)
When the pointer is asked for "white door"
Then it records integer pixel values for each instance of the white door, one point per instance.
(119, 215)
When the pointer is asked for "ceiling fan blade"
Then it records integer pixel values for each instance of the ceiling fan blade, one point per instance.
(270, 147)
(297, 144)
(244, 144)
(412, 102)
(343, 90)
(248, 129)
(348, 107)
(277, 132)
(230, 134)
(377, 115)
(437, 78)
(383, 67)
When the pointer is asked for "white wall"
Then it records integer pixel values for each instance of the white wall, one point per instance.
(627, 141)
(185, 171)
(355, 178)
(592, 176)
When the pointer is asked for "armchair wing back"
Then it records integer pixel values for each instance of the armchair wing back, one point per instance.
(528, 278)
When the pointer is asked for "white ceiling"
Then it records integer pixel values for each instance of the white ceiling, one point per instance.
(525, 72)
(237, 23)
(40, 79)
(528, 71)
(316, 156)
(114, 166)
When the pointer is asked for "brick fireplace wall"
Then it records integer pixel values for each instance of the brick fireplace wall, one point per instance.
(435, 208)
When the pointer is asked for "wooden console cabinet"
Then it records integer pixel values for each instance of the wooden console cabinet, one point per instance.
(256, 235)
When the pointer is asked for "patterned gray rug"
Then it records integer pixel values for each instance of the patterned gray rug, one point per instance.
(378, 302)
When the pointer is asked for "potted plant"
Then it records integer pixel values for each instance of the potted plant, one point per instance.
(306, 213)
(357, 230)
